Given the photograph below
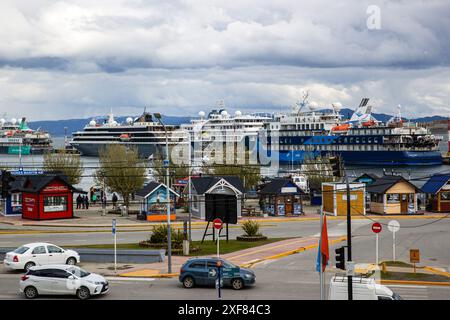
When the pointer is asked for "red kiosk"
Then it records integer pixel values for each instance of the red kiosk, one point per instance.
(47, 197)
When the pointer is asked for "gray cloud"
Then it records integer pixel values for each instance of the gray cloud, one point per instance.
(181, 56)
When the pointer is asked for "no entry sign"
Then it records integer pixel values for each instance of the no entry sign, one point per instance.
(217, 223)
(376, 227)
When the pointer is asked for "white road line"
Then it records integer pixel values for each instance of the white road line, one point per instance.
(406, 286)
(124, 279)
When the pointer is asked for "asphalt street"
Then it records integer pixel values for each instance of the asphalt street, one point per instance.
(291, 277)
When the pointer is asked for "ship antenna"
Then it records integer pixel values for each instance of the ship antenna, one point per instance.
(304, 102)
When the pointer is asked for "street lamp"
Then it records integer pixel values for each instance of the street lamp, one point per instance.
(166, 164)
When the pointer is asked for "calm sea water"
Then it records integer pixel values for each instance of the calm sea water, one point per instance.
(417, 174)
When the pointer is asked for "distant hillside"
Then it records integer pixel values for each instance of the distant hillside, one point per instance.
(56, 127)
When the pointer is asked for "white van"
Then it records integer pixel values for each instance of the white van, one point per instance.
(363, 289)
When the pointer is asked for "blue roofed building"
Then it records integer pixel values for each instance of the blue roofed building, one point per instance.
(437, 189)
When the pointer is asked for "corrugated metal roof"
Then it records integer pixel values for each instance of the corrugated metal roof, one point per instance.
(435, 183)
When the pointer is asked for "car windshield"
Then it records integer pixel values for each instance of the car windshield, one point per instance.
(79, 272)
(396, 296)
(21, 250)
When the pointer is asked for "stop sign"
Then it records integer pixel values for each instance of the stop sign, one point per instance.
(217, 223)
(376, 227)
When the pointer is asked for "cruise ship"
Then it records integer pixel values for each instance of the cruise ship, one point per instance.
(143, 132)
(18, 138)
(221, 128)
(362, 140)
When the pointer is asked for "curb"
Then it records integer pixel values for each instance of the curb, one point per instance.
(159, 275)
(407, 282)
(437, 271)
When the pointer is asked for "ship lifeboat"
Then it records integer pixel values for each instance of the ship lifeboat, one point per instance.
(9, 134)
(124, 137)
(342, 127)
(369, 123)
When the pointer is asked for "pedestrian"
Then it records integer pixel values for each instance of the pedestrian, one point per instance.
(114, 200)
(86, 202)
(94, 198)
(82, 203)
(419, 202)
(79, 200)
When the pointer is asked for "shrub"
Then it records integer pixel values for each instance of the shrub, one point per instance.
(159, 235)
(251, 228)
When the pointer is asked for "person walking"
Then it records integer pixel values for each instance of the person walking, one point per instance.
(86, 202)
(94, 199)
(79, 200)
(114, 200)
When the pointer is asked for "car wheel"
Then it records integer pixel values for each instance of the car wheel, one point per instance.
(83, 293)
(30, 292)
(188, 282)
(28, 265)
(237, 284)
(71, 261)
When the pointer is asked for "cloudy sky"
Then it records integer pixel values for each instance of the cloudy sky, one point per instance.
(80, 58)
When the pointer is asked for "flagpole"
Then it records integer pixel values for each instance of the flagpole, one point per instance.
(320, 256)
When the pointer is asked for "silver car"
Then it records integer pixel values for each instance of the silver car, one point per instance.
(62, 280)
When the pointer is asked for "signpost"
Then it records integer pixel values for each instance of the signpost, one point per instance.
(393, 227)
(376, 228)
(414, 257)
(115, 243)
(218, 224)
(218, 279)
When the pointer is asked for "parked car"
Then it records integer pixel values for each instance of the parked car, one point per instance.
(62, 280)
(39, 254)
(203, 271)
(363, 289)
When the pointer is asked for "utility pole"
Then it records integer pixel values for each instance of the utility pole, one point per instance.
(349, 239)
(166, 163)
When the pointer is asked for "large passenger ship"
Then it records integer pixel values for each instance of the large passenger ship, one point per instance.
(144, 133)
(362, 140)
(17, 138)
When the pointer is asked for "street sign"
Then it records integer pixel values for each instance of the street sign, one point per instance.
(393, 226)
(414, 256)
(217, 223)
(376, 227)
(350, 267)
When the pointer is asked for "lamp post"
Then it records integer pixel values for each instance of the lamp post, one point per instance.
(166, 164)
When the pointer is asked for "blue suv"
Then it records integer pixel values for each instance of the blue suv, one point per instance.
(203, 272)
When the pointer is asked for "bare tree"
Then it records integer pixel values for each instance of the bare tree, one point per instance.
(122, 170)
(66, 163)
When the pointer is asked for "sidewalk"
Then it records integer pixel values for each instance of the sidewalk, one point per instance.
(244, 258)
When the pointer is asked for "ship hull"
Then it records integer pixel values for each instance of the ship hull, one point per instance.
(386, 158)
(25, 150)
(93, 149)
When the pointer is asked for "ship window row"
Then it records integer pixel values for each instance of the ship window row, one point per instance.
(330, 148)
(332, 140)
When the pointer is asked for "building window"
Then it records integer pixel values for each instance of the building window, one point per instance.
(393, 198)
(445, 195)
(55, 203)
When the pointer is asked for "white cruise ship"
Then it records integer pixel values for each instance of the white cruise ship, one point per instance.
(144, 133)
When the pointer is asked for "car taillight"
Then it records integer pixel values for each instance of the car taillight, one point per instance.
(24, 278)
(15, 259)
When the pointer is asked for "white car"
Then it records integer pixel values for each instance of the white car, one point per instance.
(39, 254)
(62, 280)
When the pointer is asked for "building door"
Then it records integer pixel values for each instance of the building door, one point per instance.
(288, 205)
(404, 203)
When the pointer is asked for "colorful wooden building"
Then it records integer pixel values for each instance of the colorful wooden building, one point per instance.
(281, 197)
(334, 198)
(437, 189)
(46, 197)
(153, 197)
(393, 195)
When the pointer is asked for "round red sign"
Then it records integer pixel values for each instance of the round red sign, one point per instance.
(217, 223)
(376, 227)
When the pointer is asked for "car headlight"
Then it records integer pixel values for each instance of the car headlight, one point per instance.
(248, 276)
(95, 282)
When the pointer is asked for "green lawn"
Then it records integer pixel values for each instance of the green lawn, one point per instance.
(207, 248)
(413, 276)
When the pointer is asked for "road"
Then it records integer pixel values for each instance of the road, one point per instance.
(291, 277)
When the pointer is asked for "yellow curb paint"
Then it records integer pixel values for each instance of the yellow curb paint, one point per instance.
(430, 283)
(437, 271)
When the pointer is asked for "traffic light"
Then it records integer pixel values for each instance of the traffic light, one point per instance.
(340, 258)
(6, 179)
(335, 163)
